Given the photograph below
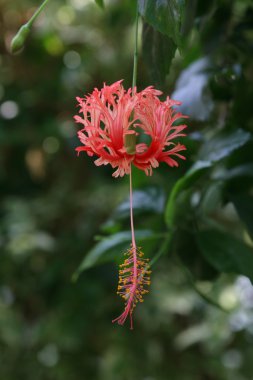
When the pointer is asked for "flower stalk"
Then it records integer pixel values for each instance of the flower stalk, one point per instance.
(134, 273)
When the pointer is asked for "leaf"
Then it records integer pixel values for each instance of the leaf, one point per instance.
(190, 14)
(183, 183)
(212, 197)
(151, 199)
(192, 89)
(158, 52)
(165, 247)
(165, 16)
(244, 206)
(110, 248)
(100, 3)
(193, 283)
(195, 172)
(240, 171)
(188, 252)
(223, 144)
(225, 253)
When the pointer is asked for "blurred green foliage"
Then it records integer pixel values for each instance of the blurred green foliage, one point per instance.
(57, 210)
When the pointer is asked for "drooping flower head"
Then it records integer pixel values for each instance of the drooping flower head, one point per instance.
(112, 118)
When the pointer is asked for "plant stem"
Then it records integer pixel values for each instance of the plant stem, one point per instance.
(131, 208)
(135, 47)
(37, 12)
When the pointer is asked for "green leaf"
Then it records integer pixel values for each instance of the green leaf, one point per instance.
(223, 144)
(193, 283)
(100, 3)
(240, 171)
(244, 206)
(165, 16)
(197, 170)
(190, 14)
(225, 253)
(165, 247)
(212, 197)
(149, 200)
(111, 248)
(158, 52)
(188, 251)
(192, 89)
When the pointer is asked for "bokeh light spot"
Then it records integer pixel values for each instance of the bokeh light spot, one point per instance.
(68, 129)
(9, 109)
(232, 359)
(51, 145)
(35, 163)
(53, 45)
(228, 298)
(49, 355)
(79, 4)
(65, 15)
(72, 59)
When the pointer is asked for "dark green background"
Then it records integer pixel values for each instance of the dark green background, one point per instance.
(56, 209)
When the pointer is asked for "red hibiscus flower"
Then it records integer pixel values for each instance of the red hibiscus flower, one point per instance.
(112, 114)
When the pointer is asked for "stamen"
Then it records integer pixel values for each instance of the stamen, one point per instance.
(133, 280)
